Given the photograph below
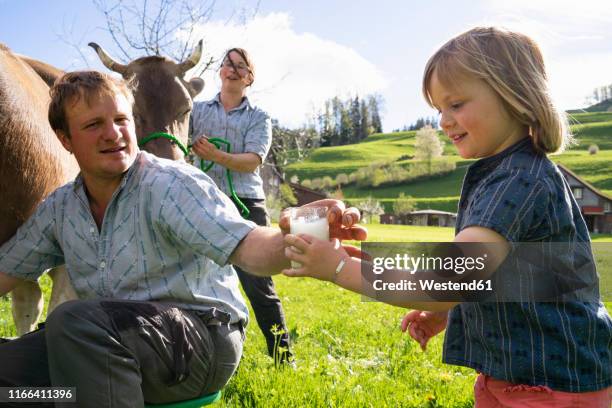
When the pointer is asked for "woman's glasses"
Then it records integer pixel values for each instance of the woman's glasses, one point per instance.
(239, 67)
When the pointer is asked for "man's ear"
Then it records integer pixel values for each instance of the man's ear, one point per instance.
(64, 140)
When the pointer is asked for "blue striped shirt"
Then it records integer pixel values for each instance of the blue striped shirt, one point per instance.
(166, 236)
(247, 128)
(564, 345)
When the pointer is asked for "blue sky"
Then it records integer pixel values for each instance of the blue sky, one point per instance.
(308, 51)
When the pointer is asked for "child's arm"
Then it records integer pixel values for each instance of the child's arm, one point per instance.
(321, 260)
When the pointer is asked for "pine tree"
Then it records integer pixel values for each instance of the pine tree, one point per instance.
(355, 118)
(375, 114)
(365, 127)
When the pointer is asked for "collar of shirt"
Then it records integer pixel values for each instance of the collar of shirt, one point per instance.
(79, 186)
(243, 105)
(487, 164)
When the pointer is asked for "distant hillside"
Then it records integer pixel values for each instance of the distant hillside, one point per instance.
(442, 193)
(603, 106)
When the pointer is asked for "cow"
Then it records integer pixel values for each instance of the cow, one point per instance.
(33, 164)
(162, 97)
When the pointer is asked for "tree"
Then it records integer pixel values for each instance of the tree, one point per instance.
(373, 106)
(404, 205)
(365, 127)
(355, 118)
(427, 145)
(370, 208)
(341, 179)
(291, 145)
(161, 27)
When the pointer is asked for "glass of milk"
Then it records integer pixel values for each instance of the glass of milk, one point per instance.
(311, 221)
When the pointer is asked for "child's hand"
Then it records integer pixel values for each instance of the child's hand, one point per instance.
(319, 258)
(422, 326)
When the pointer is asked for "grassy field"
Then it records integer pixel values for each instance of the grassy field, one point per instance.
(350, 353)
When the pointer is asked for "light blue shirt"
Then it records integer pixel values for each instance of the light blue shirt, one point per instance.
(166, 236)
(247, 128)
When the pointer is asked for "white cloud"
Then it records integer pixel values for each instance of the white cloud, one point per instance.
(574, 37)
(295, 72)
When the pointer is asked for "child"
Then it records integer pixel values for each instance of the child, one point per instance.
(490, 88)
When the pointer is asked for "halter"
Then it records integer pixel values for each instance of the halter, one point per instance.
(217, 142)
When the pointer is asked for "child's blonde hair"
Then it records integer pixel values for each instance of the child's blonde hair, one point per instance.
(512, 64)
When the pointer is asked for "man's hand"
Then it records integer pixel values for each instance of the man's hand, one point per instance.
(204, 149)
(342, 221)
(422, 326)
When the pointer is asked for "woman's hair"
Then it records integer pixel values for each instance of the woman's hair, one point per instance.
(512, 64)
(245, 56)
(86, 85)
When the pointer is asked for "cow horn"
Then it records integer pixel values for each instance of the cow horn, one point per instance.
(193, 59)
(107, 60)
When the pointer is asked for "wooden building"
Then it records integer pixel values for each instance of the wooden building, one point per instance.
(422, 217)
(595, 206)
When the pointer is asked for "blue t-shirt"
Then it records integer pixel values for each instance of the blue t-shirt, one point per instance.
(520, 194)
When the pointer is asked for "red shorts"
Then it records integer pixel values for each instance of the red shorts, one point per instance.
(490, 393)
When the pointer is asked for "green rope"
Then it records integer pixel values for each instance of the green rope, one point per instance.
(217, 142)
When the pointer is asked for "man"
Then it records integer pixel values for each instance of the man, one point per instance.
(143, 240)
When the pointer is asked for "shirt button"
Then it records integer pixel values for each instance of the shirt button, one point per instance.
(92, 230)
(102, 264)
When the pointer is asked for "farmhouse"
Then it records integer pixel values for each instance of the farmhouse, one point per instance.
(422, 217)
(595, 206)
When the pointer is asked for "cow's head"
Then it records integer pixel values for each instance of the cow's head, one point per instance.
(162, 98)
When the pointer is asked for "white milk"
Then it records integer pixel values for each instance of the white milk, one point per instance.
(318, 228)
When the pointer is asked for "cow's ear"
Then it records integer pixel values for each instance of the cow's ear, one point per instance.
(196, 84)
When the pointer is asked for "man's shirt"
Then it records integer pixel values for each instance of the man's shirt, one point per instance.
(166, 236)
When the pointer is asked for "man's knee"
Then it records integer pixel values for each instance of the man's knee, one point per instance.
(68, 316)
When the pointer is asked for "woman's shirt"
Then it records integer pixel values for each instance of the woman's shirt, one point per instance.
(247, 128)
(566, 346)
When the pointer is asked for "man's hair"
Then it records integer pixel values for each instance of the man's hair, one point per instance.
(245, 56)
(87, 85)
(512, 65)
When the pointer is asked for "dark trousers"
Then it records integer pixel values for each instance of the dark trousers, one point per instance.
(262, 294)
(122, 353)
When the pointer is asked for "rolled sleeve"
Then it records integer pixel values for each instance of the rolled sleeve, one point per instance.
(34, 247)
(508, 203)
(259, 135)
(203, 218)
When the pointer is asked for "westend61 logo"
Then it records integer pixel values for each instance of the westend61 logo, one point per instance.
(411, 264)
(475, 272)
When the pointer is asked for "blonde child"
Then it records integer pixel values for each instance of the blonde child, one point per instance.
(490, 88)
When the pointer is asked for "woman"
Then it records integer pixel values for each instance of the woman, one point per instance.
(248, 129)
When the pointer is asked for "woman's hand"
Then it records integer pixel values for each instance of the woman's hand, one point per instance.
(422, 326)
(205, 150)
(342, 221)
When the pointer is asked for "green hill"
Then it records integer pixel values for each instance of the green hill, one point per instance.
(442, 193)
(603, 106)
